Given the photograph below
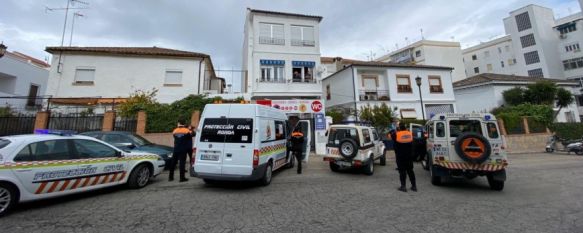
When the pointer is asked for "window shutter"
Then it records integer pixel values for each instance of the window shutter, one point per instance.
(402, 81)
(370, 84)
(308, 33)
(173, 77)
(84, 75)
(296, 33)
(264, 30)
(434, 81)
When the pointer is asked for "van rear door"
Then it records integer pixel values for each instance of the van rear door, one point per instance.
(211, 141)
(238, 151)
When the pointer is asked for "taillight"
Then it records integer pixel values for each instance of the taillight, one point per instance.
(192, 160)
(255, 158)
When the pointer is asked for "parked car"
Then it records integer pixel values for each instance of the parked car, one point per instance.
(40, 166)
(132, 142)
(352, 146)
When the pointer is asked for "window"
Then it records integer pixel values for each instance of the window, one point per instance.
(274, 74)
(45, 150)
(440, 129)
(302, 72)
(375, 135)
(572, 64)
(272, 34)
(328, 95)
(527, 40)
(531, 57)
(302, 36)
(476, 70)
(370, 82)
(87, 149)
(474, 57)
(536, 73)
(489, 67)
(366, 136)
(580, 100)
(280, 131)
(435, 84)
(507, 48)
(84, 75)
(227, 130)
(337, 134)
(486, 53)
(499, 50)
(523, 21)
(418, 53)
(572, 47)
(430, 132)
(492, 130)
(511, 61)
(564, 29)
(458, 127)
(173, 78)
(502, 64)
(32, 94)
(404, 84)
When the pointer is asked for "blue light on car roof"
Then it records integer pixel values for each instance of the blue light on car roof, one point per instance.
(431, 115)
(487, 117)
(442, 117)
(55, 132)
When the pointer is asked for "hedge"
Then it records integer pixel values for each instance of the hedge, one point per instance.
(567, 131)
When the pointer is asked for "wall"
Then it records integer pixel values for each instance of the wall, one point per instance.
(160, 138)
(467, 98)
(118, 76)
(495, 57)
(572, 38)
(341, 88)
(16, 76)
(445, 56)
(526, 143)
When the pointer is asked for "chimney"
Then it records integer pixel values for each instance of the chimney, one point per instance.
(338, 62)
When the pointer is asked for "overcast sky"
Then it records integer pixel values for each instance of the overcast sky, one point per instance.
(351, 29)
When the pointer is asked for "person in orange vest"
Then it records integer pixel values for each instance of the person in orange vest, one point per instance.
(403, 147)
(297, 144)
(182, 135)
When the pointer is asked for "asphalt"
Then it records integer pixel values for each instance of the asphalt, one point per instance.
(542, 194)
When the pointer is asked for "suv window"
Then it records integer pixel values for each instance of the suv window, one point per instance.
(417, 132)
(375, 135)
(227, 130)
(430, 130)
(440, 129)
(366, 136)
(337, 134)
(45, 150)
(92, 149)
(458, 127)
(492, 130)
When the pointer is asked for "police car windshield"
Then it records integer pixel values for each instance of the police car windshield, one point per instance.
(4, 143)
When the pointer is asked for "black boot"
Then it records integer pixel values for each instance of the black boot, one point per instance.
(402, 189)
(414, 188)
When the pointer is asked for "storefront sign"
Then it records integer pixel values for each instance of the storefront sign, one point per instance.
(320, 121)
(298, 106)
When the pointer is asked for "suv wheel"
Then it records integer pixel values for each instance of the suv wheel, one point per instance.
(497, 185)
(348, 148)
(369, 169)
(334, 167)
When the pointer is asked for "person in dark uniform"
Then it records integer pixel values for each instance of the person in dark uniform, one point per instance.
(190, 145)
(297, 146)
(182, 144)
(403, 140)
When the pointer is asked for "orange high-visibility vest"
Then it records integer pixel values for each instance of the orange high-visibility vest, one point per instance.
(297, 134)
(404, 136)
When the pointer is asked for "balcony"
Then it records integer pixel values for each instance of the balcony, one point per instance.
(309, 43)
(435, 89)
(374, 95)
(271, 40)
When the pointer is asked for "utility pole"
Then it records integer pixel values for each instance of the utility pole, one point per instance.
(66, 9)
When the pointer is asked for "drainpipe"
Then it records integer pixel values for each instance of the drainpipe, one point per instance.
(354, 87)
(199, 70)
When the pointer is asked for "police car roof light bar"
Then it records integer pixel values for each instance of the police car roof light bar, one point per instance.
(55, 132)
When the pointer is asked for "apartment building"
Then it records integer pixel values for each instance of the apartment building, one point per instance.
(496, 56)
(428, 52)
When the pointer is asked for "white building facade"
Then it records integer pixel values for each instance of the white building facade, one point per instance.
(482, 93)
(496, 56)
(372, 83)
(22, 80)
(434, 53)
(281, 56)
(116, 72)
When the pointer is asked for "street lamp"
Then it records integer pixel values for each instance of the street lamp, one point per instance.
(418, 81)
(2, 49)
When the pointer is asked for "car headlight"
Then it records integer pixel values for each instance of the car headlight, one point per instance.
(170, 155)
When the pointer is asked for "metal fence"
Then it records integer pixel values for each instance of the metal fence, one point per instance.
(76, 122)
(17, 124)
(125, 124)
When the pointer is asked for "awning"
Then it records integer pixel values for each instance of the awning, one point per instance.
(272, 62)
(408, 114)
(304, 63)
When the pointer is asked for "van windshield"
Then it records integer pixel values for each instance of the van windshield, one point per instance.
(227, 130)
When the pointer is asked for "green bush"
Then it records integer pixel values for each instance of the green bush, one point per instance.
(512, 115)
(414, 121)
(567, 130)
(337, 116)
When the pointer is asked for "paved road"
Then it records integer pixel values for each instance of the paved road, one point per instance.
(544, 193)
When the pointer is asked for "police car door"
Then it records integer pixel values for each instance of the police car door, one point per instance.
(107, 168)
(46, 167)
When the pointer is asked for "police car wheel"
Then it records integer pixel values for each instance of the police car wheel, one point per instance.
(139, 177)
(8, 198)
(266, 179)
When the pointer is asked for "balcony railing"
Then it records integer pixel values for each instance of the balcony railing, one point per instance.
(263, 80)
(374, 95)
(303, 43)
(436, 89)
(271, 40)
(404, 89)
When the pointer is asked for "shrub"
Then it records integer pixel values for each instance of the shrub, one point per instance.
(567, 131)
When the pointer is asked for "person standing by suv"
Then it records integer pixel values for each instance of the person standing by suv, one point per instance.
(182, 136)
(403, 140)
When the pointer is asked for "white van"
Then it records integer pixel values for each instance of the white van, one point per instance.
(240, 142)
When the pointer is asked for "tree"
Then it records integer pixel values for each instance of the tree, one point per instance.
(514, 96)
(380, 116)
(564, 99)
(336, 115)
(138, 101)
(541, 92)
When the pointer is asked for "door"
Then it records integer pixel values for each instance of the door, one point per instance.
(47, 167)
(305, 126)
(378, 144)
(109, 168)
(368, 142)
(419, 141)
(239, 146)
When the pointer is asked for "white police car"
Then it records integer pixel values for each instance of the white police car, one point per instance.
(45, 165)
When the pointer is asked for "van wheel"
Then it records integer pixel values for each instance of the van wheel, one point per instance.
(495, 184)
(292, 160)
(435, 180)
(8, 198)
(383, 159)
(334, 167)
(207, 181)
(139, 177)
(369, 169)
(266, 179)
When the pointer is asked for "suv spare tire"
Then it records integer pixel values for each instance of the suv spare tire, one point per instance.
(348, 148)
(473, 148)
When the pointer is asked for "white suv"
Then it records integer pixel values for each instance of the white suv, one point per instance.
(354, 146)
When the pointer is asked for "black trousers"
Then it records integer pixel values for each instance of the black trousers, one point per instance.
(299, 157)
(178, 157)
(403, 172)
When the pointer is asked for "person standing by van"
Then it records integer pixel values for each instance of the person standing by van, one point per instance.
(297, 141)
(403, 146)
(182, 136)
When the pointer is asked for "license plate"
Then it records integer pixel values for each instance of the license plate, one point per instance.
(343, 163)
(209, 157)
